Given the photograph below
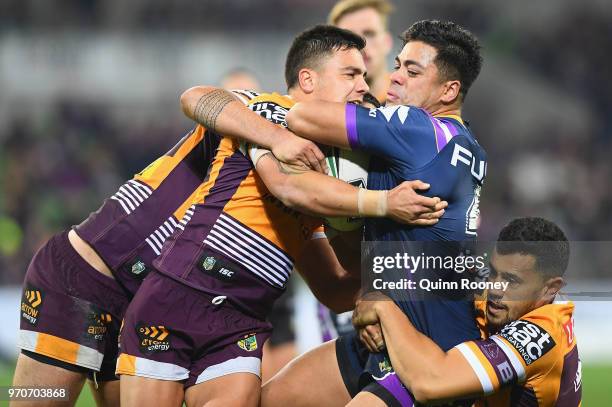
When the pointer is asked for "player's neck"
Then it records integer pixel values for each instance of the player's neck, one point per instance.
(446, 110)
(297, 95)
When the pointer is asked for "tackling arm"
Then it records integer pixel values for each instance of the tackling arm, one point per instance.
(323, 122)
(322, 195)
(219, 110)
(431, 374)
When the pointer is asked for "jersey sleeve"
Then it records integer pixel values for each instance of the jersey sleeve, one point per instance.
(399, 133)
(519, 353)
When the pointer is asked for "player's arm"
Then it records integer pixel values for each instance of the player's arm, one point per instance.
(322, 195)
(431, 374)
(220, 111)
(335, 284)
(323, 122)
(401, 134)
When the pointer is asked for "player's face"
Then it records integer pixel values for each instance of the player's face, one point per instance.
(368, 23)
(524, 290)
(341, 77)
(415, 80)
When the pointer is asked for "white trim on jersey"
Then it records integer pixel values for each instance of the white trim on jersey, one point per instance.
(514, 360)
(481, 373)
(158, 237)
(254, 253)
(131, 194)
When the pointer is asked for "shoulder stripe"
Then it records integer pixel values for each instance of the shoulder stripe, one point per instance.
(481, 373)
(514, 360)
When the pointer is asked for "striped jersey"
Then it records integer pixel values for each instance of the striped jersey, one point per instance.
(240, 242)
(532, 361)
(130, 228)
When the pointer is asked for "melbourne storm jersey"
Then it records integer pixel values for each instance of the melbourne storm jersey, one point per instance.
(531, 362)
(407, 143)
(240, 242)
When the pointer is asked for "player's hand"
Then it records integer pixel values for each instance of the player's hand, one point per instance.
(405, 205)
(365, 312)
(372, 337)
(300, 152)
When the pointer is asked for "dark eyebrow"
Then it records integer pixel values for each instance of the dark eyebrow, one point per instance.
(408, 62)
(355, 70)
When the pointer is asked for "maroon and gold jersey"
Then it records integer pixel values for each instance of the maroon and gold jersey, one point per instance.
(240, 242)
(130, 228)
(531, 362)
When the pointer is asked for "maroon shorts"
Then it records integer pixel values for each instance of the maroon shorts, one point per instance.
(70, 312)
(175, 332)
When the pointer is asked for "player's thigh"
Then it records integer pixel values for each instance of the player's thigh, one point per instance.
(245, 391)
(366, 399)
(106, 394)
(142, 391)
(33, 373)
(312, 379)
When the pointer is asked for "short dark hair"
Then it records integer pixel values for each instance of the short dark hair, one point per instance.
(540, 238)
(311, 45)
(458, 50)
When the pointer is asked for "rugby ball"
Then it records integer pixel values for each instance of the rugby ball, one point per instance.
(352, 167)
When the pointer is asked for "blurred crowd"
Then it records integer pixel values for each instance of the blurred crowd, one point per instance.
(56, 169)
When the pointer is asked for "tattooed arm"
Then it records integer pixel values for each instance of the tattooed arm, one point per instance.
(218, 110)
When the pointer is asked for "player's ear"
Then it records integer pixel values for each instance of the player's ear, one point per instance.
(551, 288)
(307, 79)
(450, 92)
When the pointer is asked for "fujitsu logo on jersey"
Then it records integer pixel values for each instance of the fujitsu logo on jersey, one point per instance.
(465, 156)
(531, 341)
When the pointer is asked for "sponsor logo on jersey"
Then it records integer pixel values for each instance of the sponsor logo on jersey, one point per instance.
(270, 111)
(531, 341)
(248, 343)
(153, 338)
(31, 302)
(97, 324)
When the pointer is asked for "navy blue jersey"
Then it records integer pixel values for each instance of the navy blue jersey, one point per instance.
(407, 143)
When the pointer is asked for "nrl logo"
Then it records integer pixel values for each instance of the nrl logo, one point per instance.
(249, 343)
(384, 366)
(209, 263)
(138, 267)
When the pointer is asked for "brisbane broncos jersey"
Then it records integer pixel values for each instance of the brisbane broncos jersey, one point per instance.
(240, 242)
(531, 362)
(130, 228)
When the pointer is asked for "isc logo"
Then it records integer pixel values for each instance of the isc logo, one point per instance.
(465, 156)
(225, 272)
(531, 341)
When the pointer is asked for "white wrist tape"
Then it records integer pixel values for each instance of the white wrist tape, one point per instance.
(372, 203)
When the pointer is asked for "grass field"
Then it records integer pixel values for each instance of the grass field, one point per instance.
(596, 386)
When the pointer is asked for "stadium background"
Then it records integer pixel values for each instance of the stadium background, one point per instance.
(89, 95)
